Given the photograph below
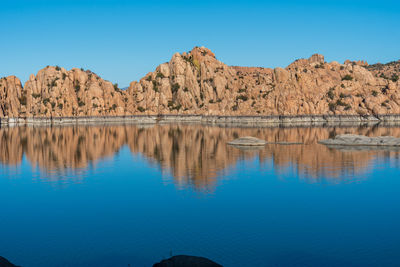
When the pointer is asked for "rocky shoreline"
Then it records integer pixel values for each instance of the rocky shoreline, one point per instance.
(301, 120)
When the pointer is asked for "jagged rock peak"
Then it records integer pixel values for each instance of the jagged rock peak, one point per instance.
(317, 58)
(358, 62)
(201, 52)
(197, 55)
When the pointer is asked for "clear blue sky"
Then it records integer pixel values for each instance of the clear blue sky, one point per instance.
(123, 40)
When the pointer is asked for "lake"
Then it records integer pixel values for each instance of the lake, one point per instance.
(128, 194)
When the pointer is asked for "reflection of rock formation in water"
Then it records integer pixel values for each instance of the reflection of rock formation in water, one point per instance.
(194, 154)
(314, 161)
(59, 148)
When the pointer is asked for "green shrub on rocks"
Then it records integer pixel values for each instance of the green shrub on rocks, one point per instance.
(332, 106)
(155, 86)
(331, 95)
(347, 77)
(175, 87)
(339, 102)
(242, 97)
(54, 83)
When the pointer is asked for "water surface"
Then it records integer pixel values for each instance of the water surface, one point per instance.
(119, 195)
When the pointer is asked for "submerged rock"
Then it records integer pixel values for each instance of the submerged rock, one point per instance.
(5, 263)
(365, 148)
(285, 143)
(360, 140)
(186, 261)
(247, 141)
(248, 148)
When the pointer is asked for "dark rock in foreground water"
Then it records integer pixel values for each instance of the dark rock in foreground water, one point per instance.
(247, 141)
(5, 263)
(186, 261)
(360, 140)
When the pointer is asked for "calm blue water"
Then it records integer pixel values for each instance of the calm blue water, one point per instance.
(119, 195)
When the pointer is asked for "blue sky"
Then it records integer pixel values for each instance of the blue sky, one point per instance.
(123, 40)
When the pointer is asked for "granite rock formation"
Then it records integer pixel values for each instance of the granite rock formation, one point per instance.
(56, 92)
(196, 82)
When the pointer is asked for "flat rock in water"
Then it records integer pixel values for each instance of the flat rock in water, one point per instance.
(247, 141)
(365, 148)
(284, 143)
(360, 140)
(248, 148)
(187, 261)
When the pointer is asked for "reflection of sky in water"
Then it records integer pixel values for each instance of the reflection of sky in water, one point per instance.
(281, 206)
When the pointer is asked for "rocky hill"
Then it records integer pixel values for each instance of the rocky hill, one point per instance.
(196, 82)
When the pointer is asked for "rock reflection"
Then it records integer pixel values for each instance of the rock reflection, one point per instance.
(195, 155)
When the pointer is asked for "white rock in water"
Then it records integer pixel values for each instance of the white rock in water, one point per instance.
(360, 140)
(248, 141)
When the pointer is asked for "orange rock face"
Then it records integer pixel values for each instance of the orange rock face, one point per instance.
(56, 92)
(197, 83)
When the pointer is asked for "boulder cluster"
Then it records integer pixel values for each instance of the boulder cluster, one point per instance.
(196, 82)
